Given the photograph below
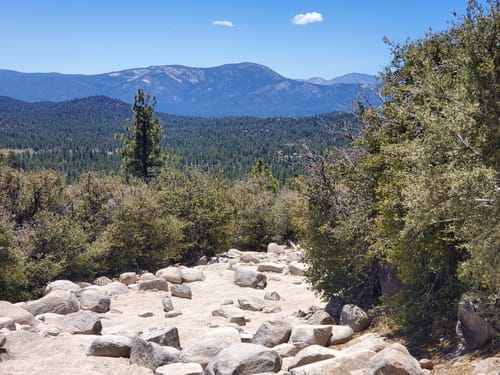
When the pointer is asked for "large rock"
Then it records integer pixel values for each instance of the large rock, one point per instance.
(250, 257)
(286, 350)
(251, 303)
(180, 369)
(242, 359)
(340, 335)
(153, 284)
(271, 267)
(111, 346)
(181, 291)
(94, 300)
(115, 288)
(167, 336)
(393, 360)
(152, 355)
(210, 345)
(81, 322)
(311, 354)
(320, 317)
(274, 248)
(297, 268)
(471, 327)
(66, 285)
(272, 332)
(171, 274)
(190, 275)
(354, 317)
(249, 278)
(334, 307)
(304, 335)
(146, 276)
(341, 364)
(57, 301)
(20, 315)
(128, 278)
(102, 281)
(370, 341)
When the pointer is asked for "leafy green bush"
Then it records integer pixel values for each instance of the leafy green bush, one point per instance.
(203, 204)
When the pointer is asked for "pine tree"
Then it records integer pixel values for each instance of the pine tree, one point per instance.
(142, 155)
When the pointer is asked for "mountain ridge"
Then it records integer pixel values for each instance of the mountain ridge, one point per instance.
(241, 89)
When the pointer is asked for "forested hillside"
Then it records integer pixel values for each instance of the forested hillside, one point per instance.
(78, 135)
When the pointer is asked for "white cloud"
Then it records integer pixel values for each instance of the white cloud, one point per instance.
(223, 23)
(309, 17)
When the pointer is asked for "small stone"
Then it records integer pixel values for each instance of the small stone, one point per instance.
(246, 337)
(173, 313)
(228, 302)
(145, 314)
(272, 296)
(426, 364)
(251, 303)
(167, 304)
(271, 309)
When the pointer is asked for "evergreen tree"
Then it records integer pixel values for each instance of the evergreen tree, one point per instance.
(419, 190)
(142, 155)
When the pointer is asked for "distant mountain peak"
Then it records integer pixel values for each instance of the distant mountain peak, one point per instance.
(237, 89)
(350, 79)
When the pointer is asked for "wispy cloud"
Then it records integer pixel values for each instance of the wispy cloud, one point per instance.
(224, 23)
(309, 17)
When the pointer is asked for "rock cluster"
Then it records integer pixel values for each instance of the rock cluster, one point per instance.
(300, 343)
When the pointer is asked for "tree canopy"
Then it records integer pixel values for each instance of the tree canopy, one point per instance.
(418, 192)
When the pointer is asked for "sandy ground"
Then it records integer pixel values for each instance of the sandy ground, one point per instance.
(31, 354)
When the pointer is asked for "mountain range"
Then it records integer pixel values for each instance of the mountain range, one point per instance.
(244, 89)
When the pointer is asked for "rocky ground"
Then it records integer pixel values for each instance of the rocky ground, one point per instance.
(248, 313)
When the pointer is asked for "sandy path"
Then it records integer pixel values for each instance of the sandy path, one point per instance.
(66, 354)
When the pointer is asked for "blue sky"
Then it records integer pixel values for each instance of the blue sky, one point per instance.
(328, 37)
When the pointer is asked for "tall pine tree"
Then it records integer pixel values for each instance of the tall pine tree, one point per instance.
(142, 155)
